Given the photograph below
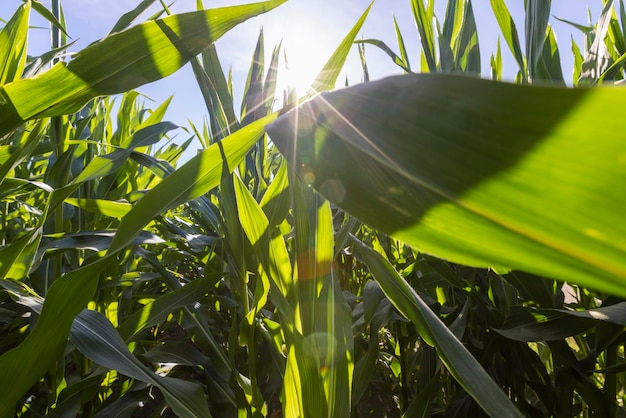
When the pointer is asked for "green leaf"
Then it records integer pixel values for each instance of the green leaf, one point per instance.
(383, 46)
(276, 201)
(400, 38)
(509, 31)
(458, 360)
(46, 342)
(271, 252)
(549, 65)
(537, 16)
(13, 45)
(49, 16)
(542, 325)
(556, 324)
(104, 207)
(494, 180)
(327, 78)
(97, 339)
(26, 146)
(192, 180)
(597, 59)
(151, 51)
(103, 165)
(17, 257)
(424, 22)
(127, 18)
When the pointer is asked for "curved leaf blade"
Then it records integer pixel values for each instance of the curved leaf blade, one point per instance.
(95, 337)
(151, 51)
(192, 180)
(459, 361)
(478, 172)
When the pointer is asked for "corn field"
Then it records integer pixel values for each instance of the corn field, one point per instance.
(436, 243)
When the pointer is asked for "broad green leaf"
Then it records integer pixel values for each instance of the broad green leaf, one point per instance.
(91, 240)
(496, 64)
(326, 316)
(17, 257)
(26, 147)
(495, 180)
(97, 339)
(151, 51)
(424, 23)
(542, 325)
(466, 48)
(556, 324)
(110, 208)
(549, 65)
(176, 352)
(271, 252)
(276, 201)
(213, 69)
(509, 31)
(46, 342)
(103, 165)
(578, 63)
(454, 20)
(252, 103)
(192, 180)
(13, 45)
(537, 16)
(458, 360)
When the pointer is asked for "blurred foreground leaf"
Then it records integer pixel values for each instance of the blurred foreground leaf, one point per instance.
(481, 173)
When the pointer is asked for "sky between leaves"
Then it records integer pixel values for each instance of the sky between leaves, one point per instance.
(310, 31)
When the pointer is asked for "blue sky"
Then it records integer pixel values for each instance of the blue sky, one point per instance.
(310, 31)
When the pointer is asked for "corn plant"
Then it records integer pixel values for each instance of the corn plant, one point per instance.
(232, 285)
(421, 171)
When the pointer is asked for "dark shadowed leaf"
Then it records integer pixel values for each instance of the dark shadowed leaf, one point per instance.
(478, 172)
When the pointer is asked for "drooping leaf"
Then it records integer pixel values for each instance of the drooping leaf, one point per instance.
(556, 324)
(96, 338)
(459, 361)
(65, 298)
(478, 172)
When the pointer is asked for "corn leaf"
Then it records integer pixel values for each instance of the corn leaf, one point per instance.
(597, 58)
(192, 180)
(459, 361)
(537, 16)
(509, 31)
(46, 342)
(104, 207)
(495, 180)
(151, 51)
(97, 339)
(327, 78)
(13, 44)
(424, 22)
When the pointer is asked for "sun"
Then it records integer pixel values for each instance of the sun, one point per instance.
(304, 58)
